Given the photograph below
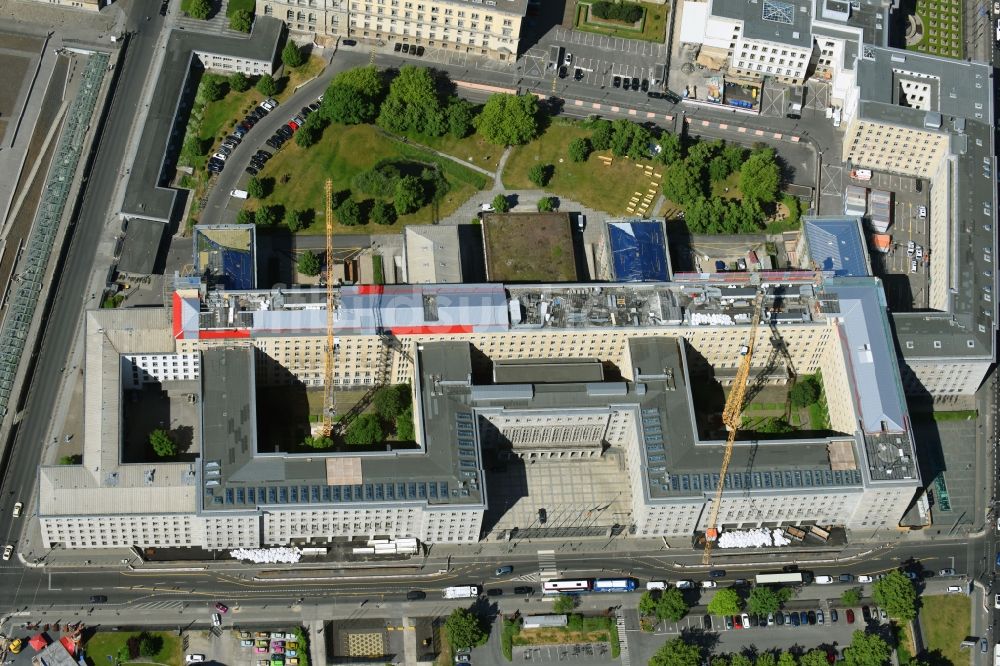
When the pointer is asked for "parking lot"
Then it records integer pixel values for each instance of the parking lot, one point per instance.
(589, 653)
(228, 647)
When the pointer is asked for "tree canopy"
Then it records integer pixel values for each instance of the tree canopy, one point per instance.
(213, 87)
(677, 652)
(266, 85)
(464, 630)
(896, 594)
(764, 600)
(564, 603)
(295, 219)
(255, 188)
(239, 82)
(390, 401)
(815, 657)
(500, 203)
(851, 596)
(601, 132)
(805, 392)
(347, 105)
(404, 425)
(383, 212)
(760, 177)
(291, 55)
(580, 149)
(349, 213)
(199, 9)
(461, 117)
(365, 430)
(630, 140)
(725, 602)
(241, 20)
(309, 263)
(547, 204)
(317, 442)
(409, 195)
(671, 605)
(163, 444)
(540, 174)
(866, 650)
(413, 104)
(682, 183)
(509, 120)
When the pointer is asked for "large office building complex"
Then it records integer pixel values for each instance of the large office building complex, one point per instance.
(582, 379)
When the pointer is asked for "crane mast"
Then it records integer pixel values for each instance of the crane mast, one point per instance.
(329, 395)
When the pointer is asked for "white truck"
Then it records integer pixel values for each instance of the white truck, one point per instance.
(239, 194)
(461, 592)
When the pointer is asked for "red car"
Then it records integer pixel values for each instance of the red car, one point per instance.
(292, 125)
(850, 616)
(737, 622)
(221, 607)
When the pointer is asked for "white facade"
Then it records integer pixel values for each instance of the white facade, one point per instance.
(140, 369)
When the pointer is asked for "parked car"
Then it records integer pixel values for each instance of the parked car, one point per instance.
(246, 643)
(524, 589)
(416, 595)
(803, 617)
(420, 51)
(617, 82)
(846, 578)
(635, 83)
(946, 572)
(833, 615)
(216, 620)
(706, 622)
(98, 599)
(194, 657)
(406, 48)
(644, 86)
(820, 618)
(812, 617)
(850, 615)
(793, 619)
(746, 619)
(824, 580)
(221, 607)
(709, 584)
(494, 592)
(348, 42)
(729, 622)
(737, 622)
(717, 573)
(397, 47)
(866, 614)
(864, 579)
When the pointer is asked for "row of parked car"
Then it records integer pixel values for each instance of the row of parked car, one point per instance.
(217, 162)
(797, 618)
(411, 49)
(281, 135)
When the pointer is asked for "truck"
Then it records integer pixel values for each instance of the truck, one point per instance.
(555, 56)
(795, 102)
(461, 592)
(861, 174)
(239, 194)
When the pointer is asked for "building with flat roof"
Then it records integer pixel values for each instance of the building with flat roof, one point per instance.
(834, 244)
(528, 247)
(225, 255)
(633, 251)
(491, 28)
(549, 402)
(432, 254)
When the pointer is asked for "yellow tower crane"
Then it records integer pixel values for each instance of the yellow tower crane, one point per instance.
(732, 416)
(329, 395)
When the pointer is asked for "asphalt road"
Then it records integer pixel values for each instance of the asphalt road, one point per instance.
(61, 327)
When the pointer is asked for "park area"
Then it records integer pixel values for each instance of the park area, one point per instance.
(936, 28)
(944, 622)
(650, 27)
(345, 151)
(155, 647)
(602, 184)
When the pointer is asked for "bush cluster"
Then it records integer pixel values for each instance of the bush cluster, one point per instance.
(627, 12)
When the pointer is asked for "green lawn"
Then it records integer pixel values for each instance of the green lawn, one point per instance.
(592, 183)
(236, 5)
(473, 149)
(943, 29)
(342, 153)
(654, 24)
(945, 621)
(102, 644)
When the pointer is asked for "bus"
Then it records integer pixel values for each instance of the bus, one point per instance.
(565, 586)
(614, 585)
(790, 578)
(996, 655)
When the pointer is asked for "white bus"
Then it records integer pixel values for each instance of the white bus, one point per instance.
(461, 592)
(996, 655)
(779, 578)
(565, 586)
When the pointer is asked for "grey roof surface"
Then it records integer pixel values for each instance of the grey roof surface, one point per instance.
(787, 22)
(966, 329)
(553, 370)
(145, 193)
(142, 244)
(433, 253)
(836, 244)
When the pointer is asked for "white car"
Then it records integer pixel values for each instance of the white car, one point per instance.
(913, 266)
(996, 601)
(216, 620)
(486, 208)
(922, 212)
(996, 8)
(568, 59)
(8, 551)
(685, 584)
(656, 585)
(910, 248)
(194, 657)
(17, 509)
(865, 579)
(709, 584)
(824, 580)
(920, 252)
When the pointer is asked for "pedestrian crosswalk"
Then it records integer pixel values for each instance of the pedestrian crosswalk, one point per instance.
(622, 639)
(547, 569)
(162, 605)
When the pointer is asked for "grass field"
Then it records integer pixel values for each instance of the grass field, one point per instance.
(342, 153)
(654, 24)
(592, 183)
(473, 149)
(103, 644)
(945, 621)
(942, 21)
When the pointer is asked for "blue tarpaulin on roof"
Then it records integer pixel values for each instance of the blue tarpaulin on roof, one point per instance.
(836, 245)
(638, 251)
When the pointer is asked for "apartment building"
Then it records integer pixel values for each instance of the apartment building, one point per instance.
(482, 27)
(548, 405)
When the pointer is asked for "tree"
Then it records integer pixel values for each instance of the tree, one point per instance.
(149, 644)
(464, 630)
(647, 604)
(734, 155)
(317, 442)
(199, 9)
(677, 652)
(682, 184)
(851, 596)
(700, 153)
(500, 203)
(389, 401)
(383, 212)
(725, 602)
(213, 87)
(786, 658)
(815, 657)
(630, 140)
(309, 263)
(295, 220)
(718, 169)
(76, 459)
(245, 216)
(760, 177)
(366, 80)
(804, 393)
(307, 134)
(766, 659)
(764, 600)
(349, 213)
(866, 650)
(509, 120)
(348, 106)
(670, 148)
(266, 216)
(291, 55)
(626, 12)
(461, 117)
(671, 605)
(896, 594)
(580, 149)
(266, 85)
(564, 603)
(540, 174)
(241, 20)
(546, 204)
(413, 104)
(365, 430)
(163, 444)
(409, 195)
(255, 188)
(404, 425)
(239, 82)
(601, 135)
(740, 659)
